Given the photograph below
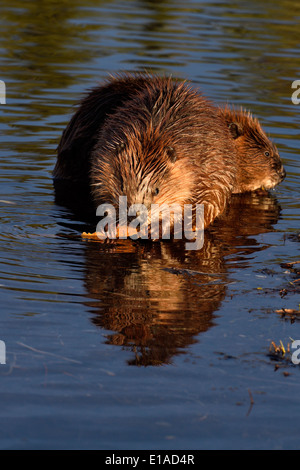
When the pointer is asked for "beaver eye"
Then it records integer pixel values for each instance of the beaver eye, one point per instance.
(156, 191)
(267, 154)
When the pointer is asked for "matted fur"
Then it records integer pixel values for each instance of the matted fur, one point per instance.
(255, 168)
(156, 140)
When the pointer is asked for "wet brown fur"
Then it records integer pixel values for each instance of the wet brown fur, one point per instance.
(156, 140)
(255, 169)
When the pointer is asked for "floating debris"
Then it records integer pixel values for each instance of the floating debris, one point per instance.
(289, 314)
(279, 350)
(289, 265)
(251, 402)
(4, 201)
(90, 236)
(281, 354)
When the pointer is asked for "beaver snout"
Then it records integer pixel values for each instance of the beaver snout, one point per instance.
(281, 173)
(277, 178)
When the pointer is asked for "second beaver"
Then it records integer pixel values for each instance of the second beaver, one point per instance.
(156, 140)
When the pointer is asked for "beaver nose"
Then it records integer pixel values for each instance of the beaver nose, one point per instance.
(282, 173)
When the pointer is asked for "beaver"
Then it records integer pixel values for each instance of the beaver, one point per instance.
(157, 140)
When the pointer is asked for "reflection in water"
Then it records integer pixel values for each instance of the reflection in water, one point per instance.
(154, 323)
(125, 280)
(152, 304)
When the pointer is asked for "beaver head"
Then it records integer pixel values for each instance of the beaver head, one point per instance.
(258, 163)
(137, 152)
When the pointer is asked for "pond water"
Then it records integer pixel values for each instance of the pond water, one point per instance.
(146, 346)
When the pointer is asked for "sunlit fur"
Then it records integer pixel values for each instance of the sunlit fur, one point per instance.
(166, 137)
(156, 140)
(133, 155)
(254, 168)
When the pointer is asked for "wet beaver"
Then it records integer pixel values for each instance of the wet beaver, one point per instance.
(156, 140)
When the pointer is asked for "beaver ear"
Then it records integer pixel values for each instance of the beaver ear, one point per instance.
(235, 130)
(171, 154)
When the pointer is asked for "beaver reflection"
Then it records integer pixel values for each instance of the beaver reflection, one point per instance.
(156, 297)
(154, 310)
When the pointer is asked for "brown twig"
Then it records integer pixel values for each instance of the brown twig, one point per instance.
(251, 402)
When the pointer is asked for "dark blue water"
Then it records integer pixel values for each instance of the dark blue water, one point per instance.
(146, 346)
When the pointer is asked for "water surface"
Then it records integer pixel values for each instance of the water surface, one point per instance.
(146, 346)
